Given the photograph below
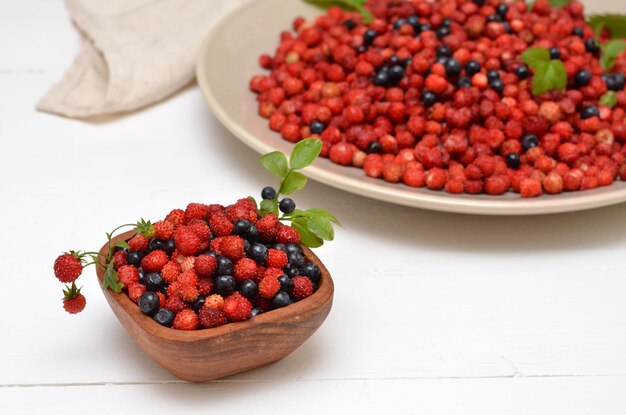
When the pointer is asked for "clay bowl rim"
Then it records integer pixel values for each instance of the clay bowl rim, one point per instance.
(320, 297)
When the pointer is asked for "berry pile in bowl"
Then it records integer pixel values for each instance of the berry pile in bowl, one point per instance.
(462, 96)
(214, 290)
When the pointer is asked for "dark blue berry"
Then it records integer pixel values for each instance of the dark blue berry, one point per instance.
(292, 271)
(529, 141)
(582, 78)
(119, 248)
(442, 60)
(349, 24)
(578, 31)
(281, 299)
(297, 259)
(280, 247)
(381, 78)
(164, 317)
(369, 36)
(494, 18)
(224, 285)
(555, 53)
(224, 266)
(246, 245)
(424, 27)
(396, 73)
(149, 303)
(493, 74)
(154, 281)
(312, 271)
(286, 284)
(453, 67)
(497, 85)
(374, 147)
(615, 82)
(197, 305)
(446, 22)
(361, 49)
(258, 252)
(256, 312)
(241, 227)
(293, 247)
(479, 2)
(317, 127)
(464, 82)
(134, 258)
(444, 51)
(157, 244)
(268, 192)
(248, 289)
(590, 111)
(398, 24)
(442, 32)
(142, 276)
(287, 205)
(472, 68)
(592, 46)
(170, 246)
(512, 160)
(429, 99)
(507, 27)
(502, 9)
(522, 72)
(415, 22)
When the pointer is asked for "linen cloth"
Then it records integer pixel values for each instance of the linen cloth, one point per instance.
(134, 53)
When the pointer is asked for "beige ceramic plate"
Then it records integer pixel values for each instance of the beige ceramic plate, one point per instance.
(228, 60)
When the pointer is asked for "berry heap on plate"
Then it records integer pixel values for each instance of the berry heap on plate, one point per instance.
(465, 96)
(208, 265)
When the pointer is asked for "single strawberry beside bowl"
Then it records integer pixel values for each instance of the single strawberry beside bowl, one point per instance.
(214, 290)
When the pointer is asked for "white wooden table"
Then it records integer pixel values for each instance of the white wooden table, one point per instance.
(434, 313)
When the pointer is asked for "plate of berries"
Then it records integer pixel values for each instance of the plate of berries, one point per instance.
(480, 107)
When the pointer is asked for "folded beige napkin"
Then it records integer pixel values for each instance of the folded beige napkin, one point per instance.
(135, 52)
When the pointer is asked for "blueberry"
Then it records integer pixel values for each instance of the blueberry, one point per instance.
(134, 258)
(280, 247)
(149, 303)
(170, 246)
(396, 73)
(297, 259)
(497, 85)
(464, 82)
(197, 305)
(472, 68)
(512, 160)
(240, 227)
(529, 141)
(164, 317)
(293, 247)
(429, 99)
(292, 271)
(154, 281)
(349, 24)
(268, 192)
(444, 51)
(394, 60)
(590, 111)
(258, 252)
(398, 24)
(256, 312)
(225, 284)
(317, 127)
(286, 284)
(442, 60)
(522, 72)
(157, 244)
(494, 18)
(414, 21)
(446, 22)
(287, 205)
(381, 78)
(361, 49)
(621, 80)
(582, 78)
(493, 74)
(578, 31)
(592, 46)
(555, 53)
(213, 254)
(424, 27)
(507, 27)
(442, 32)
(248, 289)
(119, 248)
(374, 147)
(369, 36)
(281, 299)
(224, 266)
(312, 271)
(252, 235)
(479, 2)
(502, 9)
(142, 276)
(615, 82)
(453, 67)
(246, 245)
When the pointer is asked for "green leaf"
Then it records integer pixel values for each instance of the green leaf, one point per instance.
(356, 5)
(549, 76)
(614, 23)
(253, 200)
(534, 57)
(122, 244)
(276, 163)
(610, 51)
(323, 213)
(111, 280)
(305, 152)
(295, 181)
(559, 3)
(609, 99)
(308, 238)
(321, 227)
(269, 206)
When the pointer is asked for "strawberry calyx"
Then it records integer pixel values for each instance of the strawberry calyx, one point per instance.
(71, 292)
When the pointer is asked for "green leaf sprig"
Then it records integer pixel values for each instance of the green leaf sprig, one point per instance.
(550, 74)
(353, 5)
(314, 225)
(614, 23)
(610, 51)
(553, 3)
(609, 99)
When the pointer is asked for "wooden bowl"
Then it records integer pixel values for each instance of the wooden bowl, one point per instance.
(203, 355)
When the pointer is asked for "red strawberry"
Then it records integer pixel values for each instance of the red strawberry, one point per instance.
(196, 211)
(201, 229)
(187, 263)
(210, 317)
(215, 301)
(268, 226)
(176, 217)
(276, 258)
(247, 203)
(238, 212)
(175, 303)
(119, 259)
(232, 247)
(246, 268)
(269, 286)
(186, 320)
(215, 244)
(302, 287)
(205, 285)
(188, 293)
(138, 243)
(272, 272)
(154, 261)
(205, 266)
(73, 301)
(164, 229)
(237, 307)
(170, 272)
(220, 225)
(187, 241)
(188, 277)
(214, 208)
(128, 275)
(161, 299)
(135, 291)
(67, 267)
(172, 289)
(287, 234)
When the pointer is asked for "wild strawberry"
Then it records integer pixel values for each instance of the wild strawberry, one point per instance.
(67, 267)
(188, 293)
(138, 243)
(215, 301)
(170, 272)
(161, 299)
(232, 247)
(73, 301)
(210, 317)
(268, 226)
(215, 244)
(245, 268)
(128, 275)
(287, 234)
(205, 285)
(187, 241)
(154, 261)
(163, 229)
(188, 277)
(119, 259)
(201, 229)
(241, 212)
(187, 263)
(237, 307)
(272, 272)
(205, 266)
(220, 225)
(175, 303)
(186, 320)
(269, 286)
(276, 258)
(302, 288)
(196, 211)
(176, 217)
(246, 203)
(135, 291)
